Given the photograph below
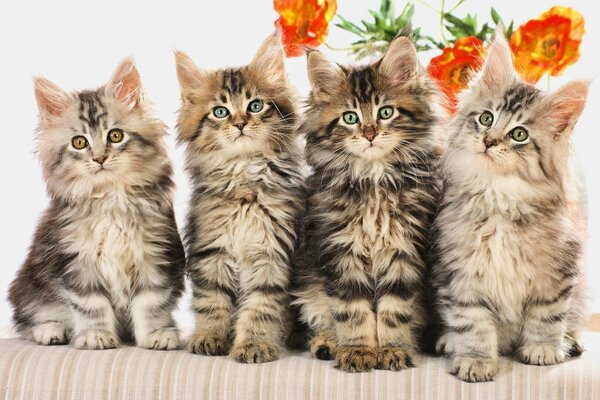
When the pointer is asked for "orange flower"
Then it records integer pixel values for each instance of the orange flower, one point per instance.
(451, 69)
(303, 23)
(548, 44)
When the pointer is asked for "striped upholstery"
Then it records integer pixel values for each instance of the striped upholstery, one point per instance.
(28, 371)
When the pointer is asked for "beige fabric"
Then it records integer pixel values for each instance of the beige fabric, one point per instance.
(28, 371)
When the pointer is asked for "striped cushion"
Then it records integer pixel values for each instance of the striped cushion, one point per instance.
(28, 371)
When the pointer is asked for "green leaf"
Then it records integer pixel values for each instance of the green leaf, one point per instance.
(496, 17)
(349, 26)
(509, 31)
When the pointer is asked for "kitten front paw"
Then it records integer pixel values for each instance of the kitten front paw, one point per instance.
(474, 369)
(95, 340)
(356, 359)
(255, 352)
(50, 333)
(209, 345)
(541, 354)
(445, 345)
(323, 346)
(394, 359)
(161, 339)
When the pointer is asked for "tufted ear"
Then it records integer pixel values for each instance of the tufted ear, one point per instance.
(269, 60)
(190, 77)
(324, 76)
(565, 105)
(126, 85)
(498, 69)
(400, 62)
(52, 101)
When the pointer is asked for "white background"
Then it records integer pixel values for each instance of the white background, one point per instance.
(77, 44)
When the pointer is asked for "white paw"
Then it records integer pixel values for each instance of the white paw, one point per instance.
(541, 354)
(445, 345)
(161, 339)
(49, 333)
(474, 369)
(95, 340)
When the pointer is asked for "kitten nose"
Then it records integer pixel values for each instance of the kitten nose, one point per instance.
(369, 133)
(100, 160)
(240, 125)
(490, 142)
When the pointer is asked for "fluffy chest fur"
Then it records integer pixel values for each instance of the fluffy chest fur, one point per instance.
(114, 243)
(499, 244)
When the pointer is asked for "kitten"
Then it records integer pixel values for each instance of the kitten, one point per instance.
(242, 153)
(106, 261)
(373, 142)
(510, 232)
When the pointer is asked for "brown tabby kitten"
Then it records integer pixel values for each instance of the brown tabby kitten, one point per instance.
(372, 141)
(511, 232)
(243, 156)
(106, 262)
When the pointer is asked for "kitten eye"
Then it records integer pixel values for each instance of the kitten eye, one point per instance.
(350, 117)
(256, 106)
(386, 112)
(519, 134)
(115, 135)
(79, 142)
(220, 112)
(486, 118)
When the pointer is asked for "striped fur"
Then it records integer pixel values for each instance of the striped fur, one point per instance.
(510, 234)
(360, 268)
(247, 195)
(106, 263)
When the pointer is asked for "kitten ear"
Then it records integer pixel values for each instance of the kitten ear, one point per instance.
(564, 106)
(190, 77)
(400, 62)
(498, 69)
(269, 60)
(52, 101)
(324, 76)
(126, 85)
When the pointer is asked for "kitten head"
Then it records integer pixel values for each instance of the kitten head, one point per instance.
(231, 112)
(383, 112)
(94, 141)
(509, 128)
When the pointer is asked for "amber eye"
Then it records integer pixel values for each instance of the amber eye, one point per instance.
(79, 142)
(115, 135)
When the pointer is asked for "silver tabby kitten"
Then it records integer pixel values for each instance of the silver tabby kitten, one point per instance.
(242, 153)
(106, 261)
(373, 143)
(510, 232)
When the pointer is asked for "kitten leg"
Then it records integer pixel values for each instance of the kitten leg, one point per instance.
(93, 320)
(472, 332)
(323, 346)
(153, 324)
(355, 323)
(262, 312)
(542, 340)
(50, 324)
(214, 293)
(399, 313)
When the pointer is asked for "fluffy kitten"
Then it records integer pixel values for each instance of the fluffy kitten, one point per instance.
(242, 153)
(372, 140)
(106, 261)
(510, 231)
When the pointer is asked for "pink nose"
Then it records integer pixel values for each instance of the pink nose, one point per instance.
(369, 133)
(490, 142)
(100, 160)
(240, 125)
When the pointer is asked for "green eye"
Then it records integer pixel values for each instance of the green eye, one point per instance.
(115, 135)
(486, 118)
(220, 112)
(386, 112)
(79, 142)
(350, 117)
(519, 134)
(256, 106)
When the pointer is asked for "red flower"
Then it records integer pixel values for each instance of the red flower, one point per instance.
(452, 69)
(303, 23)
(548, 44)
